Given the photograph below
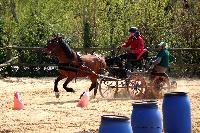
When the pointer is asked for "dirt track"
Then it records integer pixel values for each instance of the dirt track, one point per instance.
(44, 113)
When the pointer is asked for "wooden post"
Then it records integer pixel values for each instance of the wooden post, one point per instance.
(8, 69)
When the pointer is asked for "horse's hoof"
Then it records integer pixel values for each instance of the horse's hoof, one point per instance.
(70, 90)
(57, 94)
(93, 97)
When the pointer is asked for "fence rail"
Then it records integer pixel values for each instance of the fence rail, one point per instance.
(96, 49)
(8, 62)
(17, 60)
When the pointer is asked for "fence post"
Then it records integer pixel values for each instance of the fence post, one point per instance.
(8, 69)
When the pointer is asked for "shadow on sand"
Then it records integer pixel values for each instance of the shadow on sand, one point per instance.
(90, 131)
(61, 102)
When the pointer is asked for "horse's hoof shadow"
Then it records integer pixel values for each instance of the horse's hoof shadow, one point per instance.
(92, 97)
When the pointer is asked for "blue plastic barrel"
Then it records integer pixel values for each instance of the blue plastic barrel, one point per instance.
(146, 118)
(176, 113)
(115, 124)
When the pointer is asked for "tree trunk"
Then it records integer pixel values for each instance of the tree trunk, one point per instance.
(94, 23)
(13, 10)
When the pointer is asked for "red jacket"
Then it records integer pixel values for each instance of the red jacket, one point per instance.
(136, 45)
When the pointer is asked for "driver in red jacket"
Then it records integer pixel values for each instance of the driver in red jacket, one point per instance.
(134, 45)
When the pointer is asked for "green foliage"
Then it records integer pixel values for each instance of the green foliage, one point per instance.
(2, 51)
(108, 21)
(1, 33)
(87, 35)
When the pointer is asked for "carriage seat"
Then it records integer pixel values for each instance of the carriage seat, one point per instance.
(139, 62)
(141, 56)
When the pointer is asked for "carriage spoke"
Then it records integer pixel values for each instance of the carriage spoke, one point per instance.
(137, 87)
(109, 88)
(108, 92)
(160, 86)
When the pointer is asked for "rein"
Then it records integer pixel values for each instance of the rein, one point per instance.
(72, 60)
(74, 68)
(68, 67)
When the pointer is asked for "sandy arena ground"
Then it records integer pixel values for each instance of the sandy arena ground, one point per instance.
(46, 114)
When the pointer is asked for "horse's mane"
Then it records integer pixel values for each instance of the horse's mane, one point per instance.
(68, 51)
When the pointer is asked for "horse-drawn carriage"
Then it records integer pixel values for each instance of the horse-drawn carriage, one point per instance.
(130, 79)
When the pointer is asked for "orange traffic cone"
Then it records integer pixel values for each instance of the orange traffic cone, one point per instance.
(18, 104)
(84, 100)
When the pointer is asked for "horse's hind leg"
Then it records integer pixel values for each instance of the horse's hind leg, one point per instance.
(56, 86)
(93, 85)
(66, 83)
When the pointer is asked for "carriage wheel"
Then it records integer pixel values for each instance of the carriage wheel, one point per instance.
(107, 88)
(160, 85)
(137, 86)
(110, 88)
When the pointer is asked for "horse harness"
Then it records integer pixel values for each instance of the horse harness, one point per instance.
(71, 66)
(75, 68)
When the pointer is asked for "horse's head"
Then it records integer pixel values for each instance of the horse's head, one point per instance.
(58, 46)
(53, 44)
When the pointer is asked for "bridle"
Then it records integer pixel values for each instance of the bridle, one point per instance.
(71, 64)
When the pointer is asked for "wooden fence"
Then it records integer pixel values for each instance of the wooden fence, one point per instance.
(11, 57)
(175, 51)
(14, 58)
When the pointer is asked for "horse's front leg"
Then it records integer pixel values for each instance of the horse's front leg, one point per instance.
(56, 86)
(69, 79)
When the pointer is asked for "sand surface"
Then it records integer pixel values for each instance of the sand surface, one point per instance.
(43, 112)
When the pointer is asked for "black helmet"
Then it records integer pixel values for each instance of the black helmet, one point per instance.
(133, 29)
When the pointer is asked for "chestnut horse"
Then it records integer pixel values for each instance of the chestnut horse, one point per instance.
(71, 65)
